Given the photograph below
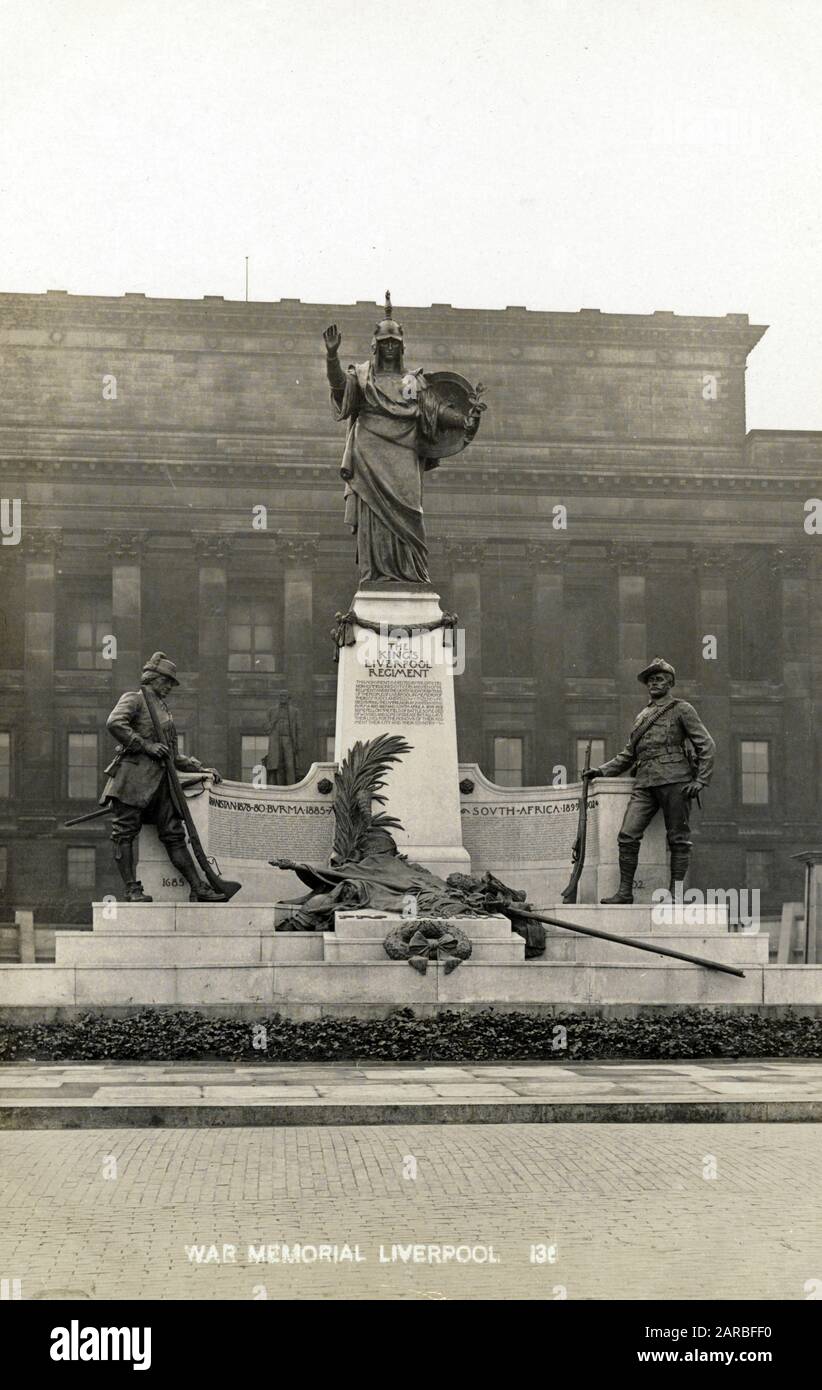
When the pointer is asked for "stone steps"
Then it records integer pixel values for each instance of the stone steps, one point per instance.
(192, 955)
(643, 919)
(311, 988)
(227, 918)
(253, 948)
(114, 949)
(729, 948)
(249, 948)
(368, 949)
(372, 926)
(188, 918)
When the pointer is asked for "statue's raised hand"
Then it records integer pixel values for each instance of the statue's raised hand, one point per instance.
(332, 337)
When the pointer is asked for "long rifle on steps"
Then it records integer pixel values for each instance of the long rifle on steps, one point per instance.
(220, 885)
(511, 910)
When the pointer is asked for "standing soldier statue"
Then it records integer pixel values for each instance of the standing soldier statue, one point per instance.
(137, 785)
(284, 743)
(672, 754)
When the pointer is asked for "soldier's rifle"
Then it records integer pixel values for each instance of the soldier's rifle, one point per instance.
(578, 852)
(221, 885)
(511, 910)
(108, 809)
(90, 815)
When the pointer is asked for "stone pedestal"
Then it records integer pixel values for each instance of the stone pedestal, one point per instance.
(155, 871)
(401, 681)
(525, 835)
(241, 827)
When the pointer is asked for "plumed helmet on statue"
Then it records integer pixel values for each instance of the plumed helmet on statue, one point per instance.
(387, 327)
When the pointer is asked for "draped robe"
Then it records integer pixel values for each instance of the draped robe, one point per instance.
(391, 416)
(384, 880)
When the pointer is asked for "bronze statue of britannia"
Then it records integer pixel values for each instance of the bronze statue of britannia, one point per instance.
(401, 422)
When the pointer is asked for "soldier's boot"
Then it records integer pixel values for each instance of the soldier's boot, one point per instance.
(628, 858)
(680, 859)
(124, 859)
(201, 892)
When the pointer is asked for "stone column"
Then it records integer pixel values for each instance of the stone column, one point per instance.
(632, 562)
(465, 560)
(548, 628)
(715, 678)
(211, 549)
(812, 859)
(27, 950)
(299, 557)
(815, 592)
(126, 608)
(38, 780)
(799, 773)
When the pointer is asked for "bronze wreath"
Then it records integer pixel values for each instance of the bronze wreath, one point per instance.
(342, 633)
(423, 939)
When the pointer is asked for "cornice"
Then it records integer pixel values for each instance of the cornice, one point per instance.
(508, 478)
(60, 312)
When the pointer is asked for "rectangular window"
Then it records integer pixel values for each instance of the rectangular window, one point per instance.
(508, 762)
(671, 618)
(507, 633)
(589, 640)
(754, 611)
(91, 625)
(181, 744)
(251, 636)
(5, 765)
(329, 748)
(755, 773)
(254, 749)
(758, 867)
(82, 767)
(597, 754)
(4, 868)
(80, 866)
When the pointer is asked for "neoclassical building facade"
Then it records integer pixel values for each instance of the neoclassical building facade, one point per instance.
(175, 468)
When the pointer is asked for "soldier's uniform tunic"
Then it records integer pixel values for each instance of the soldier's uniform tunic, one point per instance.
(662, 770)
(137, 785)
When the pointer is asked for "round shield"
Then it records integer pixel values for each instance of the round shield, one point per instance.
(452, 389)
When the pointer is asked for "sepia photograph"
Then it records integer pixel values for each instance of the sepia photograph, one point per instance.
(411, 667)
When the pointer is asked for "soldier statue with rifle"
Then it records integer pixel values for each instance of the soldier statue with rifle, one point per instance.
(142, 788)
(672, 755)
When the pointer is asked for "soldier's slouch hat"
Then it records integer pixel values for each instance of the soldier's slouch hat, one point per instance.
(160, 665)
(657, 665)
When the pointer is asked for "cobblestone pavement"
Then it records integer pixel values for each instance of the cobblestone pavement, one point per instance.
(632, 1211)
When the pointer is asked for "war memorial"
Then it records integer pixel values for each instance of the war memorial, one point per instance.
(396, 874)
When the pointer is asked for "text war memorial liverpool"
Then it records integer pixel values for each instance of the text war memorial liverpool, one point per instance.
(171, 475)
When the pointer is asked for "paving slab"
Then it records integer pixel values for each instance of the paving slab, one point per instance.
(42, 1095)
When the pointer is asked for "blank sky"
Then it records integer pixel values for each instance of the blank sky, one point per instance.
(626, 155)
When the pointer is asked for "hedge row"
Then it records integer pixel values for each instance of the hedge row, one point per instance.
(154, 1035)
